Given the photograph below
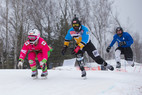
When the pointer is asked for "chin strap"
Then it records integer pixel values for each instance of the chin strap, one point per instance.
(33, 42)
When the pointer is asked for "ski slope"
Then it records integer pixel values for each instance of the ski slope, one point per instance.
(67, 81)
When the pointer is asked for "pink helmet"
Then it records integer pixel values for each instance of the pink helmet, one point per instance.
(33, 35)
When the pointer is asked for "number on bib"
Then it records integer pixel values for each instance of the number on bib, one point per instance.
(43, 43)
(27, 43)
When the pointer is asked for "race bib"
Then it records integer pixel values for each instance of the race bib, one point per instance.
(95, 53)
(43, 43)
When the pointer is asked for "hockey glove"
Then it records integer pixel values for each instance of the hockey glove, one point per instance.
(122, 43)
(108, 49)
(20, 64)
(75, 51)
(64, 50)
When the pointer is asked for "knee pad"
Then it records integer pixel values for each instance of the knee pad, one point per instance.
(117, 55)
(31, 61)
(79, 57)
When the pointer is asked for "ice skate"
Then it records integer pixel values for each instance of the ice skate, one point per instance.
(83, 75)
(133, 64)
(118, 66)
(110, 67)
(44, 74)
(34, 75)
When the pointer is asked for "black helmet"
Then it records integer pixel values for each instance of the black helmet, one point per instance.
(76, 24)
(119, 29)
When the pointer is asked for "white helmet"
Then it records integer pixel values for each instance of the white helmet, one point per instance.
(33, 35)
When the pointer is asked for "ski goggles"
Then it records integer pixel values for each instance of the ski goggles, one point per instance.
(75, 25)
(32, 37)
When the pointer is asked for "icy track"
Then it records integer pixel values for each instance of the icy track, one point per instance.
(68, 82)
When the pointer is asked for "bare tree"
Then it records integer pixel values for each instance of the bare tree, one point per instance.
(137, 47)
(100, 18)
(18, 24)
(5, 34)
(7, 15)
(53, 19)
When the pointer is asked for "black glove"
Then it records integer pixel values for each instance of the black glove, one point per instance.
(72, 50)
(108, 49)
(64, 50)
(122, 43)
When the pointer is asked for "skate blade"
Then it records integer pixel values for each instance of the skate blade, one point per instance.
(36, 77)
(118, 68)
(84, 78)
(43, 77)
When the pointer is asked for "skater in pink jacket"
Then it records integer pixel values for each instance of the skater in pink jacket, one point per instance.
(38, 49)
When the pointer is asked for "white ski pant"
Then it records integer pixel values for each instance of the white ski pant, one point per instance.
(117, 57)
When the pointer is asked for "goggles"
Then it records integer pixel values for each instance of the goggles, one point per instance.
(75, 25)
(32, 37)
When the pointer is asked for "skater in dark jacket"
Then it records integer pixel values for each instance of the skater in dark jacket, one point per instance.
(80, 34)
(124, 41)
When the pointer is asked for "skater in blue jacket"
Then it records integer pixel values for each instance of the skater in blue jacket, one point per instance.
(80, 34)
(124, 41)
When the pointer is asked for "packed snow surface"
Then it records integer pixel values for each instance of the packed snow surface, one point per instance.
(67, 81)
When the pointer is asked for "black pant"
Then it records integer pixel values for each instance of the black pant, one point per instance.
(93, 53)
(127, 51)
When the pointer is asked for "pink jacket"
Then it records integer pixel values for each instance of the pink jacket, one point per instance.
(41, 47)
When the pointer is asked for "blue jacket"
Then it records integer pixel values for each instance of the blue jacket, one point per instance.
(81, 37)
(125, 37)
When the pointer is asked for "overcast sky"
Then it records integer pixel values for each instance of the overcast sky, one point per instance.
(131, 9)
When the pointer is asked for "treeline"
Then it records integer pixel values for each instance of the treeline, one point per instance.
(53, 19)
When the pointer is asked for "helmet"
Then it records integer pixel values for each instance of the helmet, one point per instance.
(76, 24)
(33, 35)
(119, 29)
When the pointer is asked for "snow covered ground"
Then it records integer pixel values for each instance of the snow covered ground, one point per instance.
(67, 81)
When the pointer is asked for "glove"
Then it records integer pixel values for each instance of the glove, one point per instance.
(75, 51)
(20, 64)
(64, 50)
(122, 43)
(108, 49)
(43, 63)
